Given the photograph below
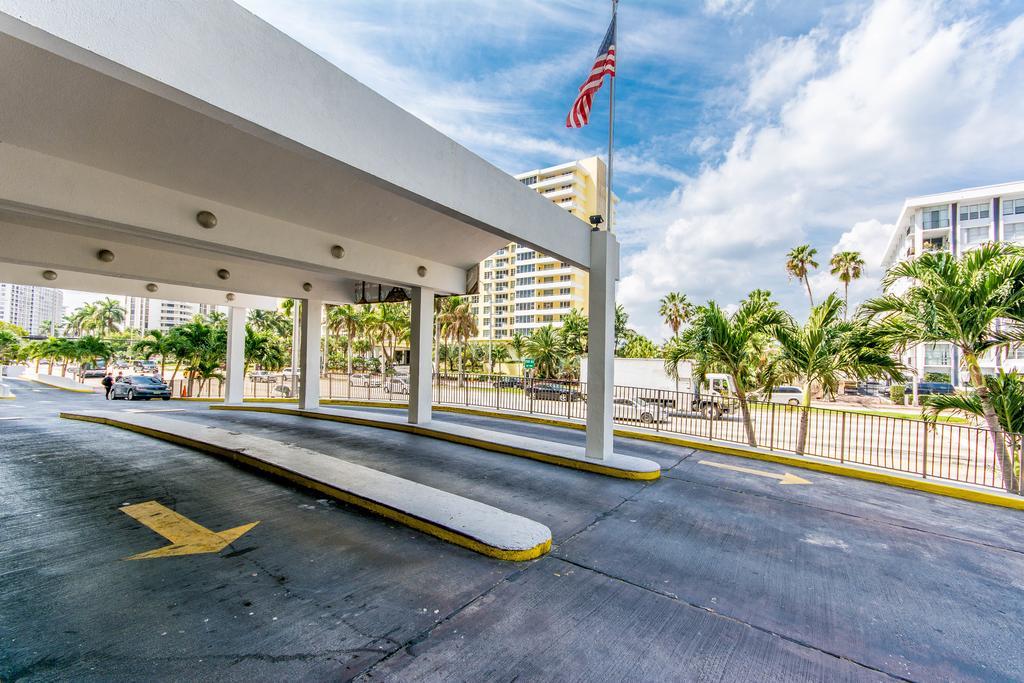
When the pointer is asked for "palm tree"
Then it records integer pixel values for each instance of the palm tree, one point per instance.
(718, 342)
(265, 349)
(91, 349)
(517, 344)
(499, 355)
(825, 349)
(10, 343)
(459, 323)
(675, 308)
(799, 262)
(80, 320)
(574, 332)
(351, 320)
(959, 301)
(622, 330)
(263, 320)
(847, 266)
(546, 349)
(107, 316)
(155, 343)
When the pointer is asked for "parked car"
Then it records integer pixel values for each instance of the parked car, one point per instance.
(262, 376)
(553, 392)
(634, 409)
(148, 367)
(92, 370)
(141, 387)
(398, 385)
(786, 395)
(928, 388)
(508, 383)
(364, 380)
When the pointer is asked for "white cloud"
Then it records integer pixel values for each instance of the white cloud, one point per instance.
(778, 68)
(889, 112)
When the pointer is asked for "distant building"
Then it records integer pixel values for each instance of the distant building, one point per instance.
(146, 314)
(957, 222)
(37, 309)
(522, 289)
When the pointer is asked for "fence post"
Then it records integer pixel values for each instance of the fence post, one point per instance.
(657, 418)
(771, 426)
(711, 418)
(924, 454)
(842, 436)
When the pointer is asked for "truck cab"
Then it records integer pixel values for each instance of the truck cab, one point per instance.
(712, 398)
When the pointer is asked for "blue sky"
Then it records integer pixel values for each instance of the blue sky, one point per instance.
(744, 127)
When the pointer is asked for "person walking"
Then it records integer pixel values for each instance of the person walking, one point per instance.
(108, 384)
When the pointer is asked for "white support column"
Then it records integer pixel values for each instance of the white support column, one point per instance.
(421, 343)
(309, 354)
(604, 271)
(235, 382)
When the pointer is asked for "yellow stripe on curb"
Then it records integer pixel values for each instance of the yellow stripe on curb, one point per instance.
(386, 511)
(454, 438)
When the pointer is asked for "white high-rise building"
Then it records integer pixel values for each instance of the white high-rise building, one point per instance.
(37, 309)
(159, 314)
(957, 222)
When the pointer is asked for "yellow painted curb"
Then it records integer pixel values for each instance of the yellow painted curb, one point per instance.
(925, 485)
(385, 511)
(454, 438)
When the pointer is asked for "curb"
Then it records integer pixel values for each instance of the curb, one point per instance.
(388, 512)
(454, 438)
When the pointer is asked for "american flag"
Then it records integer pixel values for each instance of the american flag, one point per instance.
(579, 115)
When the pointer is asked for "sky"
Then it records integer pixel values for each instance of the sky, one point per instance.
(743, 127)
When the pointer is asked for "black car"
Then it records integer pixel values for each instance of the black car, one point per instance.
(553, 392)
(141, 387)
(508, 383)
(930, 388)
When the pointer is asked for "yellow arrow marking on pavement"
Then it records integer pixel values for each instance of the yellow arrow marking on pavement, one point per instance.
(186, 537)
(786, 478)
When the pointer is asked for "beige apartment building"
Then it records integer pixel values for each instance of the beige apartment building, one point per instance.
(522, 289)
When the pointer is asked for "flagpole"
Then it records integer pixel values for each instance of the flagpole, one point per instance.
(611, 120)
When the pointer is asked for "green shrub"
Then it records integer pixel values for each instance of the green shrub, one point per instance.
(896, 393)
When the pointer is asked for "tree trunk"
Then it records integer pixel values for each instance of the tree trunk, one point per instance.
(177, 366)
(846, 300)
(805, 419)
(807, 282)
(348, 351)
(748, 422)
(1006, 460)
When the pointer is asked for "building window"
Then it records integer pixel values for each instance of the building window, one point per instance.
(974, 236)
(526, 268)
(528, 181)
(1013, 232)
(528, 280)
(1013, 206)
(528, 306)
(526, 293)
(971, 212)
(565, 290)
(935, 217)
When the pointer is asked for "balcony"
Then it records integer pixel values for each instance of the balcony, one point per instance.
(934, 244)
(933, 223)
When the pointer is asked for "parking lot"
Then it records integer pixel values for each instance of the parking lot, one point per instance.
(717, 571)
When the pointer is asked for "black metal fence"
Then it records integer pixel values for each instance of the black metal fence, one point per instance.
(961, 453)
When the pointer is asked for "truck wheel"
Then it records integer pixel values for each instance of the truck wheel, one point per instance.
(564, 398)
(647, 418)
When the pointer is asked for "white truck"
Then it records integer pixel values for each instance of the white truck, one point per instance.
(646, 373)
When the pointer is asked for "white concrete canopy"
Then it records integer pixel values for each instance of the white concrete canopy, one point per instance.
(121, 121)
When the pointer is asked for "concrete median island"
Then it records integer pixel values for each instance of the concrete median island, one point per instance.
(564, 455)
(462, 521)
